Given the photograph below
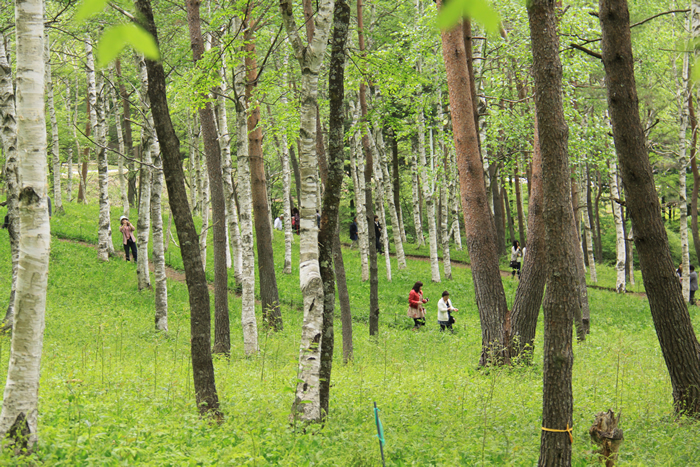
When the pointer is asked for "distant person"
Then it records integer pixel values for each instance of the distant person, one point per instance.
(378, 234)
(445, 309)
(295, 221)
(693, 284)
(515, 254)
(415, 305)
(278, 222)
(128, 240)
(353, 233)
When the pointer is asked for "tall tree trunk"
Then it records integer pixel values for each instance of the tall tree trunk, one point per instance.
(427, 180)
(668, 308)
(488, 288)
(328, 235)
(599, 193)
(72, 113)
(528, 296)
(498, 215)
(619, 232)
(588, 236)
(204, 209)
(161, 292)
(454, 204)
(222, 333)
(286, 183)
(144, 221)
(97, 122)
(415, 191)
(582, 316)
(55, 149)
(509, 215)
(394, 209)
(381, 212)
(200, 320)
(307, 403)
(8, 132)
(682, 89)
(128, 140)
(248, 321)
(18, 419)
(295, 171)
(559, 309)
(269, 295)
(396, 182)
(694, 168)
(519, 201)
(357, 164)
(120, 142)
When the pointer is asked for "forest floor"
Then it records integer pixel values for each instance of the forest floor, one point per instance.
(116, 392)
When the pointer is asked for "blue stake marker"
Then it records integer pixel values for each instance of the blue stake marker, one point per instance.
(380, 433)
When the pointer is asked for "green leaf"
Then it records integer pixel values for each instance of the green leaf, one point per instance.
(116, 38)
(89, 8)
(476, 10)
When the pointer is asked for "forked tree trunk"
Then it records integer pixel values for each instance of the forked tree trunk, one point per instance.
(18, 419)
(144, 221)
(488, 288)
(200, 320)
(307, 403)
(8, 132)
(668, 308)
(619, 231)
(562, 277)
(528, 296)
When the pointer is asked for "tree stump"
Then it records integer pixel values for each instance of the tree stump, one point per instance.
(605, 433)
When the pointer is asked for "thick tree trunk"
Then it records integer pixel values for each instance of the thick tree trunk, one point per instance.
(222, 333)
(161, 292)
(269, 296)
(18, 420)
(619, 231)
(668, 308)
(144, 221)
(8, 133)
(55, 149)
(307, 403)
(200, 324)
(528, 296)
(488, 288)
(562, 279)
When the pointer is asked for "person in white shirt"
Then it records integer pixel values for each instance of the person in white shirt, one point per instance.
(445, 310)
(278, 223)
(515, 254)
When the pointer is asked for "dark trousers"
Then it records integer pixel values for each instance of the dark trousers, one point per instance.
(692, 297)
(419, 322)
(130, 245)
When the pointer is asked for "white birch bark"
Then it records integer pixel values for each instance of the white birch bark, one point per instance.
(630, 268)
(380, 211)
(619, 232)
(95, 94)
(8, 134)
(20, 399)
(161, 290)
(245, 197)
(395, 223)
(682, 97)
(55, 154)
(307, 403)
(144, 222)
(589, 243)
(454, 205)
(233, 234)
(205, 211)
(445, 234)
(420, 239)
(357, 165)
(286, 179)
(428, 196)
(194, 190)
(120, 142)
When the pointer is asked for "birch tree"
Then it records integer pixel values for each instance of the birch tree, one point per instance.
(393, 211)
(18, 419)
(589, 242)
(357, 168)
(120, 142)
(144, 221)
(619, 231)
(428, 184)
(55, 149)
(310, 57)
(161, 292)
(681, 94)
(286, 181)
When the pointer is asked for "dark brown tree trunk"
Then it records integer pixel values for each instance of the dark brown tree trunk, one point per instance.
(599, 193)
(128, 138)
(373, 271)
(582, 325)
(519, 205)
(200, 327)
(696, 176)
(479, 228)
(328, 235)
(668, 309)
(528, 297)
(297, 174)
(395, 175)
(212, 150)
(509, 216)
(591, 215)
(560, 303)
(269, 295)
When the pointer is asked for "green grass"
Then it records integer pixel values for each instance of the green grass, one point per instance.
(115, 392)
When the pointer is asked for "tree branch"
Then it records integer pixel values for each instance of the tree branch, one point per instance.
(588, 51)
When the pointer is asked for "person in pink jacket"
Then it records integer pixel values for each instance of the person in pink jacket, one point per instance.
(415, 305)
(129, 241)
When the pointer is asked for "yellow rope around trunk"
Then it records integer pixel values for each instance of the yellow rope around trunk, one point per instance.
(568, 430)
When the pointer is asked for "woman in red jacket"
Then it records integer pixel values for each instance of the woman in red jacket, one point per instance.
(415, 305)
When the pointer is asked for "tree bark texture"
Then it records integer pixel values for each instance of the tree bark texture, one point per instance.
(222, 333)
(357, 164)
(560, 304)
(120, 144)
(428, 184)
(128, 140)
(668, 308)
(488, 288)
(144, 221)
(21, 396)
(55, 155)
(200, 322)
(619, 229)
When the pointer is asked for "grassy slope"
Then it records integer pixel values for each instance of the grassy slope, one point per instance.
(116, 393)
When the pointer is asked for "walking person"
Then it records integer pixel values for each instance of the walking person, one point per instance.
(278, 222)
(445, 309)
(693, 284)
(353, 233)
(415, 305)
(515, 254)
(128, 240)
